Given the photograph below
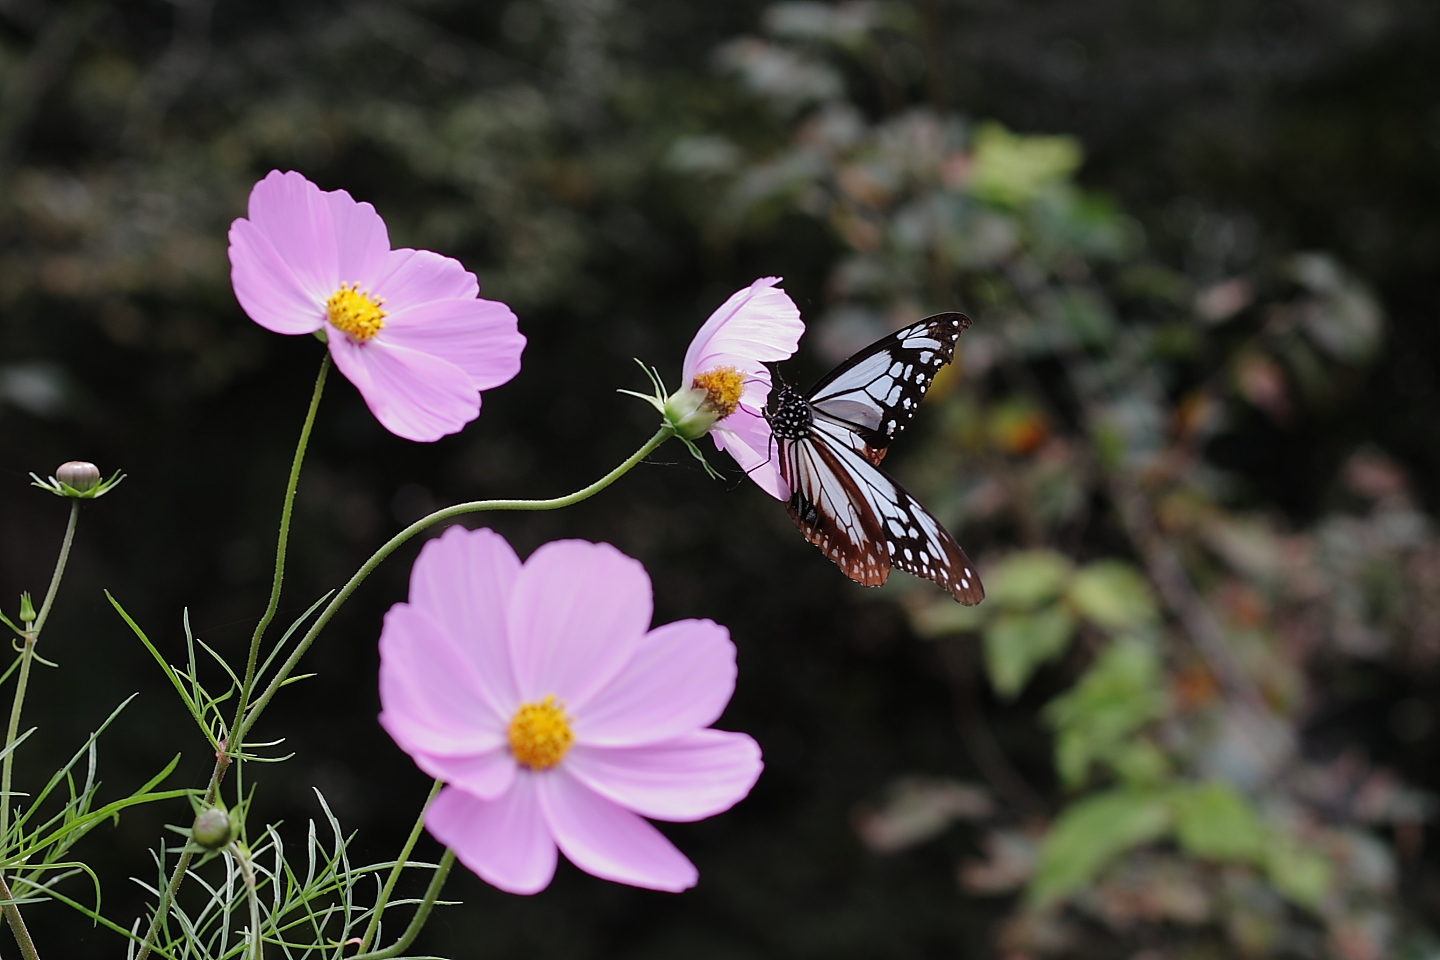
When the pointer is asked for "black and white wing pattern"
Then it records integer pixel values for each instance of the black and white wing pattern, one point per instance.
(830, 444)
(874, 394)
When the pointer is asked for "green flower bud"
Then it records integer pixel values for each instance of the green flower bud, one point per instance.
(81, 475)
(712, 397)
(688, 413)
(213, 828)
(27, 608)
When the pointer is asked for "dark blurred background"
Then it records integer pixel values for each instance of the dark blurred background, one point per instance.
(1213, 340)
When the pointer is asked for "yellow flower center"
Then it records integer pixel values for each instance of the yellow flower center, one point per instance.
(722, 387)
(355, 312)
(540, 734)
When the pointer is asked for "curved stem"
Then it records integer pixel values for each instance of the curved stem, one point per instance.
(243, 726)
(59, 570)
(373, 927)
(233, 744)
(391, 545)
(422, 913)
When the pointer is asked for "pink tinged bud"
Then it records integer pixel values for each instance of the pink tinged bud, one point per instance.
(213, 828)
(80, 474)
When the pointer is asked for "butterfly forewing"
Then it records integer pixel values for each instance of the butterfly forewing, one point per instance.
(876, 392)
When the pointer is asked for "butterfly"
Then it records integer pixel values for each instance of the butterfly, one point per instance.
(830, 442)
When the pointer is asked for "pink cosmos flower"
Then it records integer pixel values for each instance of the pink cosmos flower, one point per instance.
(556, 716)
(757, 325)
(406, 327)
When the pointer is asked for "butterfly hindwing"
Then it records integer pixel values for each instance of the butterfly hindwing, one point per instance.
(876, 392)
(831, 441)
(884, 512)
(833, 513)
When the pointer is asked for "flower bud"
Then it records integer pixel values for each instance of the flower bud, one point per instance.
(27, 608)
(688, 413)
(213, 828)
(81, 475)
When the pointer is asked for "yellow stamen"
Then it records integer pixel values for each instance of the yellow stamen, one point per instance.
(722, 386)
(353, 311)
(540, 734)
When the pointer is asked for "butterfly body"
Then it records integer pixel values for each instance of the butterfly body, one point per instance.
(830, 443)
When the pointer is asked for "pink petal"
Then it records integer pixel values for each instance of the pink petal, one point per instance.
(609, 842)
(267, 290)
(408, 278)
(505, 840)
(428, 691)
(759, 324)
(480, 337)
(577, 613)
(688, 778)
(679, 680)
(362, 243)
(414, 395)
(463, 580)
(299, 221)
(484, 775)
(746, 436)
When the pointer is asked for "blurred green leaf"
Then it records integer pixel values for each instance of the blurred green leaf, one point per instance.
(943, 616)
(1113, 595)
(1011, 169)
(1139, 762)
(1120, 693)
(1215, 822)
(1018, 643)
(1090, 834)
(1302, 875)
(1027, 579)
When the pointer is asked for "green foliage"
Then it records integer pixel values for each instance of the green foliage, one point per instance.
(41, 837)
(1090, 834)
(1304, 876)
(1114, 596)
(1013, 170)
(310, 902)
(1214, 822)
(1025, 580)
(1096, 720)
(1016, 644)
(1209, 820)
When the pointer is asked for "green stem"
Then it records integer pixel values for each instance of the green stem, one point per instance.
(374, 926)
(233, 745)
(247, 870)
(27, 658)
(422, 913)
(59, 570)
(391, 545)
(243, 726)
(17, 926)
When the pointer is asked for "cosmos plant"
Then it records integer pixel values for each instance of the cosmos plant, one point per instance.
(552, 716)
